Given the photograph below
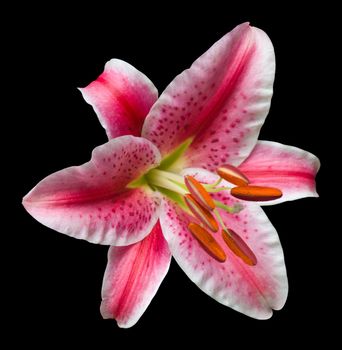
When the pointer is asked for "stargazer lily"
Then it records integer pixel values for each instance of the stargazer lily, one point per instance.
(184, 175)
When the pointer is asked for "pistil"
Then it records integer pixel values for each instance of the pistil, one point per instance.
(167, 180)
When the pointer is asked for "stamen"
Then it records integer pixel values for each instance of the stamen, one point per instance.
(236, 208)
(256, 193)
(218, 189)
(216, 183)
(208, 242)
(220, 220)
(162, 179)
(199, 193)
(237, 245)
(201, 213)
(232, 175)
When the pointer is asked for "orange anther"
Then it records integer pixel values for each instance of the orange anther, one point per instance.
(256, 193)
(199, 192)
(232, 175)
(202, 214)
(237, 245)
(208, 242)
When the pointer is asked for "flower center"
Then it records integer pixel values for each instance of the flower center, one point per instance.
(195, 198)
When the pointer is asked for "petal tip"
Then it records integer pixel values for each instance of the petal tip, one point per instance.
(281, 301)
(315, 194)
(107, 314)
(83, 91)
(246, 24)
(317, 163)
(27, 200)
(105, 311)
(265, 316)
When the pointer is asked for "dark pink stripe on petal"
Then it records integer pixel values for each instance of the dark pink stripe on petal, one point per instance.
(221, 101)
(121, 97)
(133, 276)
(92, 202)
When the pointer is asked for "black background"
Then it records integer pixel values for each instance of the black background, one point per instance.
(54, 288)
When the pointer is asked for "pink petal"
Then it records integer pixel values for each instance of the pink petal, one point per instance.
(91, 202)
(222, 101)
(133, 276)
(252, 290)
(288, 168)
(121, 97)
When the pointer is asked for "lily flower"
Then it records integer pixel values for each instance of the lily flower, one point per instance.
(184, 175)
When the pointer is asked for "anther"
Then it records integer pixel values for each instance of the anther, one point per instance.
(237, 245)
(202, 214)
(256, 193)
(208, 242)
(232, 175)
(199, 192)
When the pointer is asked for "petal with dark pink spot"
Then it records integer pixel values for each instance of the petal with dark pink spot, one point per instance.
(221, 100)
(92, 202)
